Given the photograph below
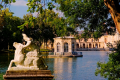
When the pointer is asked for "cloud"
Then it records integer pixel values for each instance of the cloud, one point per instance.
(19, 3)
(60, 14)
(35, 14)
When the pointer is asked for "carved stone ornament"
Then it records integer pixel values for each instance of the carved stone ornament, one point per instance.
(30, 60)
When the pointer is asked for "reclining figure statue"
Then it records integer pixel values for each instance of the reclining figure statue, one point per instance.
(27, 61)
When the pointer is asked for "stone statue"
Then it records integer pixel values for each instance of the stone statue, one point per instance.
(30, 60)
(19, 56)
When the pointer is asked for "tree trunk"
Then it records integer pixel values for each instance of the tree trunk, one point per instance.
(46, 44)
(113, 6)
(8, 46)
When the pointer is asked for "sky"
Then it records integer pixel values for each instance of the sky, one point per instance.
(19, 8)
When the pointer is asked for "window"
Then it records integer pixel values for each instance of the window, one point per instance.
(66, 47)
(73, 47)
(58, 47)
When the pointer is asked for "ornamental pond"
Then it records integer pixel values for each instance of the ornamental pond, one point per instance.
(67, 68)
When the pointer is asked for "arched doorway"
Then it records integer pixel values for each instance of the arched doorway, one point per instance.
(90, 45)
(83, 45)
(58, 47)
(96, 45)
(66, 47)
(77, 45)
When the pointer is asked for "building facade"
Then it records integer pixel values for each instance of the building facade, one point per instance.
(68, 44)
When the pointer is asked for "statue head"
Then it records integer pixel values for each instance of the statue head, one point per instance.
(17, 45)
(26, 38)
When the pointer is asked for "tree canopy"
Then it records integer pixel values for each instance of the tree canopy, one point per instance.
(92, 15)
(42, 28)
(9, 31)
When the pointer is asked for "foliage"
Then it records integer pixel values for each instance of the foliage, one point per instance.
(5, 3)
(9, 31)
(47, 25)
(37, 5)
(111, 69)
(90, 14)
(42, 28)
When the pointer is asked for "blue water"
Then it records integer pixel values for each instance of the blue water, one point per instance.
(72, 68)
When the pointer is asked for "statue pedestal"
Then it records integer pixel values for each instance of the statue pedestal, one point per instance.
(28, 75)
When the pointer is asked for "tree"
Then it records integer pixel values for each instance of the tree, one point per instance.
(96, 14)
(9, 31)
(47, 25)
(113, 7)
(5, 3)
(90, 14)
(111, 69)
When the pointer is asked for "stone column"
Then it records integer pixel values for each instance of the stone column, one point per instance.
(85, 44)
(98, 45)
(88, 45)
(62, 47)
(94, 45)
(55, 47)
(91, 45)
(79, 45)
(70, 46)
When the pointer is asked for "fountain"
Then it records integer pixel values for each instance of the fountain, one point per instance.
(27, 64)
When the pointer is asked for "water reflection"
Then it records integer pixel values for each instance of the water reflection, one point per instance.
(80, 68)
(63, 68)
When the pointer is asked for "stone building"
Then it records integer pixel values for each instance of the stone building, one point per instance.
(64, 45)
(68, 44)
